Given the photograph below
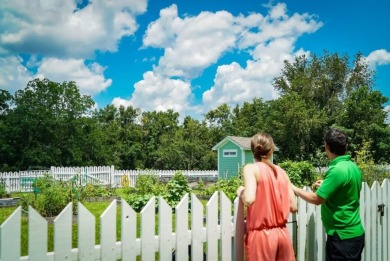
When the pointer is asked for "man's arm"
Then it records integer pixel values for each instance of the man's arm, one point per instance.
(308, 196)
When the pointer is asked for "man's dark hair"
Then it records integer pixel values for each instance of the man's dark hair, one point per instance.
(337, 141)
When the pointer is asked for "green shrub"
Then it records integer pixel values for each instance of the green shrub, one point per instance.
(228, 186)
(177, 187)
(365, 161)
(93, 190)
(137, 202)
(2, 188)
(301, 173)
(52, 201)
(148, 184)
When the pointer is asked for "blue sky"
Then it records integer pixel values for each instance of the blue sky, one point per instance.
(189, 56)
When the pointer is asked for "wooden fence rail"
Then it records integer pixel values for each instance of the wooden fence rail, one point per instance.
(216, 231)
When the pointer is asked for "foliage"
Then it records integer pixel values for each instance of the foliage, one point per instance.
(228, 186)
(2, 188)
(94, 190)
(177, 187)
(51, 196)
(371, 171)
(301, 173)
(137, 202)
(148, 184)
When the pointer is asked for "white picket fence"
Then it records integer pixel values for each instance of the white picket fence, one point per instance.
(103, 175)
(220, 235)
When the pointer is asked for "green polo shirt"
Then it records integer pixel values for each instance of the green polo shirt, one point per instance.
(341, 189)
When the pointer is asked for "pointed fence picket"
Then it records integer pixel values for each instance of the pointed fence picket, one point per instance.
(217, 236)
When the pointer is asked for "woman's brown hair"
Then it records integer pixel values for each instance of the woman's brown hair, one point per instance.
(261, 145)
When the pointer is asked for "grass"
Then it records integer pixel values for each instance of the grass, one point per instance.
(96, 208)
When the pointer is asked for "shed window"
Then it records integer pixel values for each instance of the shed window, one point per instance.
(230, 153)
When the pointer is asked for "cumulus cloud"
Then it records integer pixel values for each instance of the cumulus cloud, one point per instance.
(89, 78)
(387, 110)
(378, 57)
(59, 28)
(193, 43)
(158, 93)
(13, 74)
(58, 35)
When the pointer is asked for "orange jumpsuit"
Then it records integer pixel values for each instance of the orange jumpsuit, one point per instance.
(267, 236)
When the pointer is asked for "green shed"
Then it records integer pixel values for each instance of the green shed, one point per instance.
(233, 153)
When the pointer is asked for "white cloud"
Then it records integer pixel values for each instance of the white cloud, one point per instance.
(89, 79)
(13, 74)
(193, 43)
(58, 28)
(158, 93)
(378, 57)
(387, 110)
(273, 43)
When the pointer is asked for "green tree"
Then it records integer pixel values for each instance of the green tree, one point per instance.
(43, 125)
(250, 118)
(364, 116)
(6, 149)
(157, 126)
(315, 91)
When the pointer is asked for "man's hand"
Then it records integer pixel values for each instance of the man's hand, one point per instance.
(318, 183)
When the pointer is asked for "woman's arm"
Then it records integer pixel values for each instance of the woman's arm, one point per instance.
(247, 193)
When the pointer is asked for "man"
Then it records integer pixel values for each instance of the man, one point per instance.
(339, 196)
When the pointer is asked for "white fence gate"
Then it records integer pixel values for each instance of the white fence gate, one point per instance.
(220, 235)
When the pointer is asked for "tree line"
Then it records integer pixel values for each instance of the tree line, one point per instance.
(52, 124)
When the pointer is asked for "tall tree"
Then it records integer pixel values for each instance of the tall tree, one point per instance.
(155, 126)
(315, 90)
(364, 116)
(43, 124)
(6, 149)
(250, 118)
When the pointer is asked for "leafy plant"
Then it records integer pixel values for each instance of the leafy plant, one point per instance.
(365, 161)
(137, 202)
(228, 186)
(301, 173)
(2, 188)
(148, 184)
(177, 187)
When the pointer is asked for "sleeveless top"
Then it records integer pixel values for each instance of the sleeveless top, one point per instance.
(272, 204)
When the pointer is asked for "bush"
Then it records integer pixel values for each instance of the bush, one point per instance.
(2, 188)
(228, 186)
(137, 202)
(370, 171)
(91, 190)
(148, 184)
(301, 173)
(177, 187)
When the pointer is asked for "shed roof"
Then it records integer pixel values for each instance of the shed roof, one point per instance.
(242, 142)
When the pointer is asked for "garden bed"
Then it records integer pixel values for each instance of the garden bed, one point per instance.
(102, 199)
(9, 202)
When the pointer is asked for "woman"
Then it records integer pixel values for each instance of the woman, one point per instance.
(268, 193)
